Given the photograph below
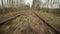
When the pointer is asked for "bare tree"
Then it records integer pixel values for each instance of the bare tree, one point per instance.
(36, 4)
(2, 4)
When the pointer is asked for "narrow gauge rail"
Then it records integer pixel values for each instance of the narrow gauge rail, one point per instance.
(48, 24)
(6, 20)
(57, 31)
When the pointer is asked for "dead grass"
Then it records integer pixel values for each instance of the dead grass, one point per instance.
(52, 18)
(28, 23)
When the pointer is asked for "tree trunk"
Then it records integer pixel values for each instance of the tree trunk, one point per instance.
(2, 4)
(36, 4)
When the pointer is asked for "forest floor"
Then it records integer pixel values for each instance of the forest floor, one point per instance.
(52, 18)
(28, 22)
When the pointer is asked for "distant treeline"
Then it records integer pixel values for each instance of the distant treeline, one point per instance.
(35, 3)
(12, 3)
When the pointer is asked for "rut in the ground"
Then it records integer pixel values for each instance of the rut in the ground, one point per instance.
(26, 24)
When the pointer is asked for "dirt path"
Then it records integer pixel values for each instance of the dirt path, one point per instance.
(28, 23)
